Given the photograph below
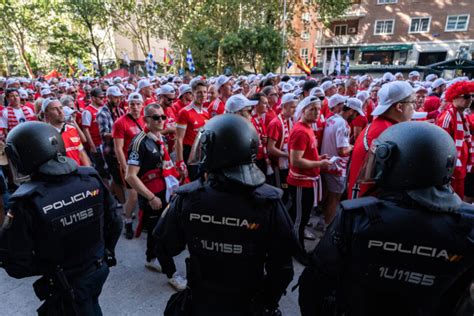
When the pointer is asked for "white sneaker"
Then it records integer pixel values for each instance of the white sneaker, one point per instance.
(178, 281)
(153, 265)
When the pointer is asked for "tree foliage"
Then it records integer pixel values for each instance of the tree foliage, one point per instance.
(245, 35)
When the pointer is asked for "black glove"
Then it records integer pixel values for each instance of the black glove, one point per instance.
(110, 258)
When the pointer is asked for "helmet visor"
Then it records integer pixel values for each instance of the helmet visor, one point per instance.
(197, 154)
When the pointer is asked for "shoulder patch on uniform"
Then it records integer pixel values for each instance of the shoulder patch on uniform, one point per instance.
(189, 187)
(359, 203)
(25, 189)
(268, 192)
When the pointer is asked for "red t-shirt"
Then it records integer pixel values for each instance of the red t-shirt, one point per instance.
(170, 122)
(302, 139)
(325, 109)
(216, 107)
(318, 129)
(269, 116)
(177, 106)
(126, 128)
(191, 118)
(72, 143)
(91, 123)
(275, 132)
(379, 124)
(359, 121)
(371, 104)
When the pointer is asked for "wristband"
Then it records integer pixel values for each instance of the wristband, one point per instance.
(154, 196)
(181, 165)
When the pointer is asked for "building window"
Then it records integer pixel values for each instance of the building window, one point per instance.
(457, 23)
(420, 25)
(387, 1)
(377, 58)
(429, 58)
(305, 36)
(384, 27)
(304, 54)
(306, 17)
(340, 30)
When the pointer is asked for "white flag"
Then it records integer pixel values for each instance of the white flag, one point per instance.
(126, 59)
(325, 63)
(332, 64)
(338, 63)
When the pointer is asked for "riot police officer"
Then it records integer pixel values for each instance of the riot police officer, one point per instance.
(408, 252)
(239, 236)
(62, 224)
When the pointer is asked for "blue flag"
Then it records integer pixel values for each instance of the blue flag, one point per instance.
(289, 63)
(190, 61)
(348, 58)
(151, 65)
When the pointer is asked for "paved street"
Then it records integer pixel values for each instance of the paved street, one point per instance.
(131, 289)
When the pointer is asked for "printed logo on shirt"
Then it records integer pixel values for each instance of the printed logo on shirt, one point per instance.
(133, 158)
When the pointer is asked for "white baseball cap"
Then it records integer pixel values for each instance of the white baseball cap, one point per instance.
(143, 84)
(362, 96)
(184, 88)
(303, 104)
(316, 90)
(135, 96)
(113, 91)
(286, 87)
(390, 94)
(238, 102)
(326, 85)
(414, 73)
(221, 80)
(236, 88)
(355, 104)
(438, 83)
(388, 76)
(23, 93)
(420, 89)
(336, 99)
(289, 97)
(165, 89)
(46, 103)
(45, 92)
(431, 77)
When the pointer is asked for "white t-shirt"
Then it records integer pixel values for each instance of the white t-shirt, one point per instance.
(336, 135)
(20, 116)
(86, 118)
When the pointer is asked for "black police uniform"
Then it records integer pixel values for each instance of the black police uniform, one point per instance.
(240, 241)
(63, 227)
(390, 257)
(145, 153)
(408, 252)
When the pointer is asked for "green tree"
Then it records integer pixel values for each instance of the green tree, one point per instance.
(23, 23)
(91, 16)
(137, 20)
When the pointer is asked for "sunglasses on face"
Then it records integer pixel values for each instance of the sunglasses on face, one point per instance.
(157, 117)
(466, 96)
(168, 98)
(321, 98)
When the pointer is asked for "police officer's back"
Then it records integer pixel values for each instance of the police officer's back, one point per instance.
(408, 252)
(62, 224)
(238, 233)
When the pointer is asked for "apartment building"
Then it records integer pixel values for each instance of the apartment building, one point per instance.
(398, 35)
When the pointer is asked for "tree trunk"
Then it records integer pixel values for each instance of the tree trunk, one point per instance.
(24, 59)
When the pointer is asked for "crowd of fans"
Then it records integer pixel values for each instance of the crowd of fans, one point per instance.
(315, 134)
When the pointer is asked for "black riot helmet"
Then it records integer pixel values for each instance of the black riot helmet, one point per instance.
(229, 143)
(411, 155)
(37, 147)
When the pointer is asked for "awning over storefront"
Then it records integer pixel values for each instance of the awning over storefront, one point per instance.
(458, 63)
(381, 48)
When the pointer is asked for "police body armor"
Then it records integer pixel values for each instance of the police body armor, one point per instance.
(396, 260)
(69, 220)
(228, 237)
